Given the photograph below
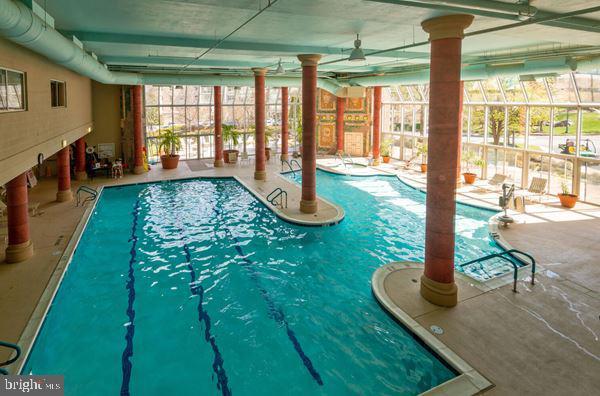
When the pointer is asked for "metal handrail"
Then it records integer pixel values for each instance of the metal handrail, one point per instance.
(515, 266)
(278, 192)
(350, 158)
(93, 194)
(17, 350)
(283, 162)
(293, 161)
(342, 160)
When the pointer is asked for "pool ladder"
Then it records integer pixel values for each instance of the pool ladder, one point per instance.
(508, 255)
(289, 164)
(85, 189)
(17, 352)
(278, 193)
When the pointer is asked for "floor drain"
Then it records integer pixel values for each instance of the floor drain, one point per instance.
(436, 329)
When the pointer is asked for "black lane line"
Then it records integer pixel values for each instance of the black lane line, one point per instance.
(198, 290)
(130, 285)
(277, 314)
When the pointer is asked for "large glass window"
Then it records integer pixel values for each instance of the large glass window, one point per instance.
(588, 86)
(564, 130)
(477, 119)
(589, 187)
(540, 120)
(496, 125)
(188, 110)
(547, 125)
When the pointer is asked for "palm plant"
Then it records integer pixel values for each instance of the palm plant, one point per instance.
(471, 158)
(422, 152)
(231, 135)
(169, 142)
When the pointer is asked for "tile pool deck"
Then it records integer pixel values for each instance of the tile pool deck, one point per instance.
(540, 341)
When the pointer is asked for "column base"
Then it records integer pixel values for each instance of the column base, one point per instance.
(19, 252)
(285, 157)
(219, 163)
(138, 170)
(376, 162)
(260, 175)
(308, 206)
(81, 175)
(442, 294)
(64, 196)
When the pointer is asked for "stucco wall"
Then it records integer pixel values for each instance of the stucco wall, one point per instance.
(41, 128)
(106, 113)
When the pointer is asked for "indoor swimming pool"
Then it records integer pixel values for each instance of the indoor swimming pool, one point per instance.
(195, 287)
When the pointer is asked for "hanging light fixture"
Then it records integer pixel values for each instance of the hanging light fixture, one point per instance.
(280, 69)
(357, 54)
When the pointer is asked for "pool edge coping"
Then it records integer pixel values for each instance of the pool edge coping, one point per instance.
(469, 381)
(36, 321)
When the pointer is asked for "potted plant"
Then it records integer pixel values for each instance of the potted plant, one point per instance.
(567, 199)
(232, 137)
(168, 143)
(471, 158)
(386, 148)
(422, 152)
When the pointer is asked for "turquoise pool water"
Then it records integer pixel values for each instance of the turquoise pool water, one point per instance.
(194, 287)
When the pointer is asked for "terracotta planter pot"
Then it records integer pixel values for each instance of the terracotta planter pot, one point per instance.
(386, 159)
(230, 156)
(169, 161)
(267, 153)
(423, 168)
(568, 200)
(469, 177)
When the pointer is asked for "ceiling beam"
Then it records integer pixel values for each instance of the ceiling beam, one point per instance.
(486, 9)
(278, 49)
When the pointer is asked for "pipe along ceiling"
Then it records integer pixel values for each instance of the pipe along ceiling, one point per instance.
(20, 25)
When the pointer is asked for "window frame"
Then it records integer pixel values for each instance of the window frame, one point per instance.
(23, 91)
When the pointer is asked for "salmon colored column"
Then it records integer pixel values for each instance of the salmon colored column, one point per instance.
(138, 139)
(259, 120)
(376, 124)
(308, 203)
(63, 164)
(460, 132)
(445, 35)
(218, 129)
(339, 123)
(80, 173)
(19, 246)
(285, 133)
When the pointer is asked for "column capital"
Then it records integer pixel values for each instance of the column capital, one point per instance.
(447, 26)
(309, 59)
(259, 71)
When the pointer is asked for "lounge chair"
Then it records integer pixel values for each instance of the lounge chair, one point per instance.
(492, 185)
(536, 188)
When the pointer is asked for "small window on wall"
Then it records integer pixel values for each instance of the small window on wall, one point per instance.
(58, 93)
(12, 90)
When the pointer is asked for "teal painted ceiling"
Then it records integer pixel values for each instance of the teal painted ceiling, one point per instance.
(166, 35)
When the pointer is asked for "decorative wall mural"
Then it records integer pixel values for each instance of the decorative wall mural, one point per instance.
(326, 135)
(327, 101)
(356, 104)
